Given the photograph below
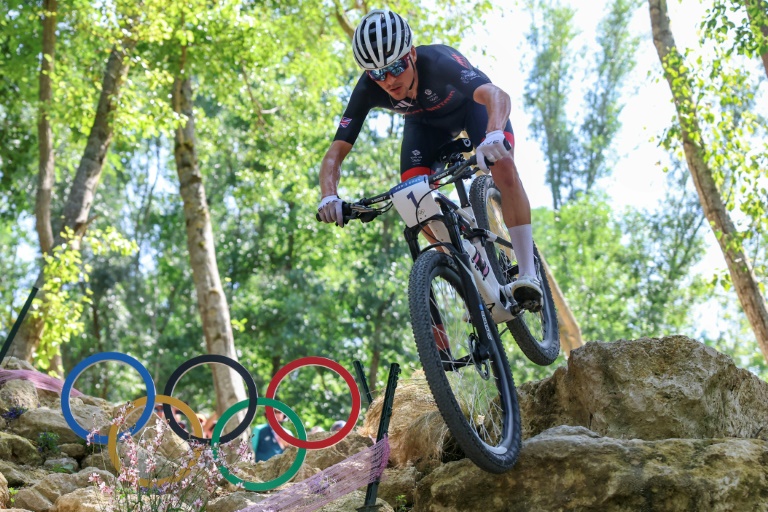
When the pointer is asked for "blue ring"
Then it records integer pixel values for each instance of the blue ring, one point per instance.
(66, 391)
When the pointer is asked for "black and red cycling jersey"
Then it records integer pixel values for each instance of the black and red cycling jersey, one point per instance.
(443, 107)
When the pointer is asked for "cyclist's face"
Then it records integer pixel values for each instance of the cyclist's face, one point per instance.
(398, 86)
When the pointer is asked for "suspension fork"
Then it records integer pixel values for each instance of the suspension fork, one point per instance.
(474, 301)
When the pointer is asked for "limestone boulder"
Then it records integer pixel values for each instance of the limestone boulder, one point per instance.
(42, 495)
(398, 485)
(61, 464)
(417, 433)
(74, 450)
(235, 501)
(652, 388)
(14, 448)
(19, 394)
(572, 468)
(352, 501)
(316, 460)
(14, 363)
(44, 419)
(99, 460)
(20, 475)
(88, 499)
(5, 495)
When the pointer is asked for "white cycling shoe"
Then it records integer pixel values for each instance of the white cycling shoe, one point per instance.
(526, 290)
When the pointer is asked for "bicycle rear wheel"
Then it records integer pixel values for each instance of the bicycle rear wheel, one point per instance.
(537, 334)
(470, 379)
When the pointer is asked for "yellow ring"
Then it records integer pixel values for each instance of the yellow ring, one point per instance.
(159, 399)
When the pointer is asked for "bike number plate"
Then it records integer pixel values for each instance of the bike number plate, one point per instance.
(414, 202)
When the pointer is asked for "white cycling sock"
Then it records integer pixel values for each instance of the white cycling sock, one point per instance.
(522, 243)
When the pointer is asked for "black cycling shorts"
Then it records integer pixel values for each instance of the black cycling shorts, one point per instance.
(423, 137)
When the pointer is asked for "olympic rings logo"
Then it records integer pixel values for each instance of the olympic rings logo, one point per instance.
(167, 400)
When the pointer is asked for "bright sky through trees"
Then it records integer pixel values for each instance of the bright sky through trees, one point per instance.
(638, 180)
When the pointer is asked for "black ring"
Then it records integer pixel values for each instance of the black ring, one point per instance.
(195, 362)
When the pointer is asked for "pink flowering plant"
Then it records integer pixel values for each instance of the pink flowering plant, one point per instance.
(159, 475)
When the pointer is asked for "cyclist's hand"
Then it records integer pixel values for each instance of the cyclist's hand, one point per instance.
(329, 210)
(491, 149)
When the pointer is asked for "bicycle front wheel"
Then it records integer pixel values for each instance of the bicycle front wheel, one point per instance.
(537, 334)
(469, 377)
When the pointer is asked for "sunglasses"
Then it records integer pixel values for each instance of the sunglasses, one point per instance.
(396, 69)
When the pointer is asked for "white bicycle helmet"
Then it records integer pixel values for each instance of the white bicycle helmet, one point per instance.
(381, 38)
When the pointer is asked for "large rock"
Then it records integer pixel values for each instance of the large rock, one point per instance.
(34, 421)
(398, 485)
(88, 499)
(417, 433)
(572, 468)
(316, 460)
(99, 460)
(42, 496)
(352, 501)
(233, 502)
(19, 475)
(5, 496)
(15, 448)
(18, 393)
(672, 387)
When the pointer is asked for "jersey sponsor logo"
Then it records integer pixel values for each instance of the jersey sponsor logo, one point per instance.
(431, 96)
(415, 157)
(460, 59)
(403, 104)
(468, 75)
(345, 122)
(442, 103)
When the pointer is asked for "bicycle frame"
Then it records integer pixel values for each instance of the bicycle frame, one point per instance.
(455, 228)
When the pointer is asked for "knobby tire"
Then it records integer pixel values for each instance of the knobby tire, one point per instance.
(537, 334)
(477, 401)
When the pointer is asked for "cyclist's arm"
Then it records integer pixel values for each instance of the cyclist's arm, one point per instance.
(330, 169)
(496, 102)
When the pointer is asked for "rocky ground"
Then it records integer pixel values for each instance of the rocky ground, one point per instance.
(645, 425)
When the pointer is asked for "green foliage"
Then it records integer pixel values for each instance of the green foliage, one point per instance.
(717, 97)
(14, 271)
(577, 158)
(64, 269)
(624, 276)
(48, 444)
(745, 21)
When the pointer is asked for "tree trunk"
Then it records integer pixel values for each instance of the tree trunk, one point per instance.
(45, 173)
(757, 10)
(570, 332)
(212, 302)
(81, 194)
(739, 266)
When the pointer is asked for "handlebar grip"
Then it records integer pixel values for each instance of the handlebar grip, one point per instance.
(507, 146)
(346, 214)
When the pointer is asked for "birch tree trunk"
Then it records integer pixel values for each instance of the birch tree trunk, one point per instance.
(45, 175)
(211, 301)
(739, 265)
(83, 188)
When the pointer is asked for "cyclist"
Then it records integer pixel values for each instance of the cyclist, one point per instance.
(440, 94)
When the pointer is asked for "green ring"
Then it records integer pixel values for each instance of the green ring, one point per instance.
(271, 484)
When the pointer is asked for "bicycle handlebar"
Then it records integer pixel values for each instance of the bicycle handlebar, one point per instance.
(360, 209)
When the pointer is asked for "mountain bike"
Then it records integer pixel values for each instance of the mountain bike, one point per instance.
(456, 300)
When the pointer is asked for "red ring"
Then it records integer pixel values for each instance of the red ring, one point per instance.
(325, 363)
